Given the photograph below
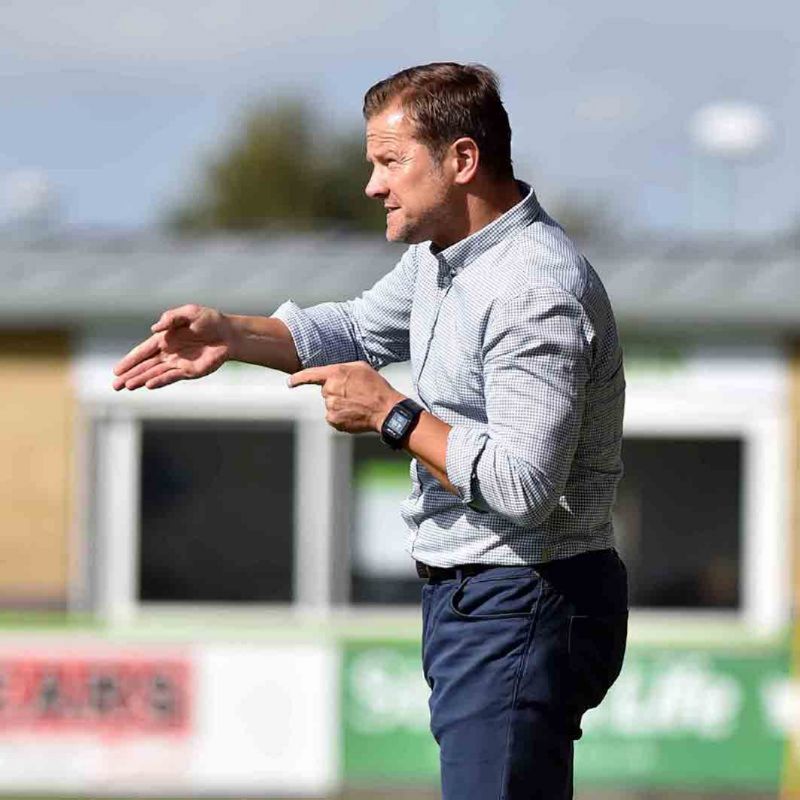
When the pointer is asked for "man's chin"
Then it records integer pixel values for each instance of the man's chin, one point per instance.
(404, 235)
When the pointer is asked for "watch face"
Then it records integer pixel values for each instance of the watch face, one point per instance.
(397, 422)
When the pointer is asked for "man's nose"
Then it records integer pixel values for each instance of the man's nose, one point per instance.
(376, 186)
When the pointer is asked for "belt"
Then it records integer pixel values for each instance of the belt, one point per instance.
(448, 573)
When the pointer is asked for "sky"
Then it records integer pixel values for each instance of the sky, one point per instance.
(108, 109)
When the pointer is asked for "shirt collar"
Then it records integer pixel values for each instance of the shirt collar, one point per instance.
(459, 255)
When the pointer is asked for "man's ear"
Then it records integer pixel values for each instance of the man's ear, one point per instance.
(466, 157)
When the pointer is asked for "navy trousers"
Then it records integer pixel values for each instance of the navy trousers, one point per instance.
(514, 656)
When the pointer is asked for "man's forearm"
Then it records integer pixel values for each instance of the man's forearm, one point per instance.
(266, 341)
(428, 444)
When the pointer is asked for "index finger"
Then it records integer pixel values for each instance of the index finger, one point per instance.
(149, 347)
(312, 375)
(182, 316)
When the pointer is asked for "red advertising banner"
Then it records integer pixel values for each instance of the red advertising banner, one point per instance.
(116, 695)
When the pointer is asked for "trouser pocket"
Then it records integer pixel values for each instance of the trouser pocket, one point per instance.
(507, 593)
(596, 648)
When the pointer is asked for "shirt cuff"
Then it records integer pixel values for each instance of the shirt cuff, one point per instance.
(307, 340)
(464, 447)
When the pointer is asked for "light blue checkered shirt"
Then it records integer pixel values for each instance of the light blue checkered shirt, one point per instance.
(513, 342)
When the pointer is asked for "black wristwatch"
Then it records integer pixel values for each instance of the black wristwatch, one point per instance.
(399, 422)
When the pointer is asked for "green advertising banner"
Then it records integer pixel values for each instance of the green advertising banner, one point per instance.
(385, 714)
(677, 717)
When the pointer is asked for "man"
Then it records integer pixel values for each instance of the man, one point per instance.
(514, 354)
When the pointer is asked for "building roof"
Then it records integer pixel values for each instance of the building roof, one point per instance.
(83, 279)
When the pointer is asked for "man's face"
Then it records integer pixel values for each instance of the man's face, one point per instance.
(414, 189)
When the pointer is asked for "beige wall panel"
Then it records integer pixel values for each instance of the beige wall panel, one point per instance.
(35, 480)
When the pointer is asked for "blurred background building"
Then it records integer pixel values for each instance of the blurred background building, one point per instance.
(204, 589)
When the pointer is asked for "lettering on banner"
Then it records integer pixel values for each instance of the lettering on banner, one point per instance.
(682, 696)
(388, 692)
(116, 695)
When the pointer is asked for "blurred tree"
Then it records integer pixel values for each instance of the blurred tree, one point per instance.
(585, 219)
(282, 170)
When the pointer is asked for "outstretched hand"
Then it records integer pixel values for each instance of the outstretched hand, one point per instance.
(187, 342)
(357, 397)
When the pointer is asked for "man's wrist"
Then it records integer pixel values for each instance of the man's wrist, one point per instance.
(229, 325)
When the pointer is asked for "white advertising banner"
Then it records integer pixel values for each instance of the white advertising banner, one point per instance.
(96, 717)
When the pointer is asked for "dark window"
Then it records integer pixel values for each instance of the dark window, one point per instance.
(678, 521)
(381, 569)
(216, 511)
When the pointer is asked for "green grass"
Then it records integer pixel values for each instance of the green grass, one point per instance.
(32, 621)
(358, 624)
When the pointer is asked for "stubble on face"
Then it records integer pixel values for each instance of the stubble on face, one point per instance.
(406, 178)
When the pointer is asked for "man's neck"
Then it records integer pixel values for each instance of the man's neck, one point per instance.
(482, 205)
(488, 206)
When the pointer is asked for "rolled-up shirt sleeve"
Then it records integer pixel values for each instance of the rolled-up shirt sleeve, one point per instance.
(373, 327)
(537, 358)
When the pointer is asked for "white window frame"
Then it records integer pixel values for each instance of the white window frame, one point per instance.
(117, 429)
(684, 405)
(664, 410)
